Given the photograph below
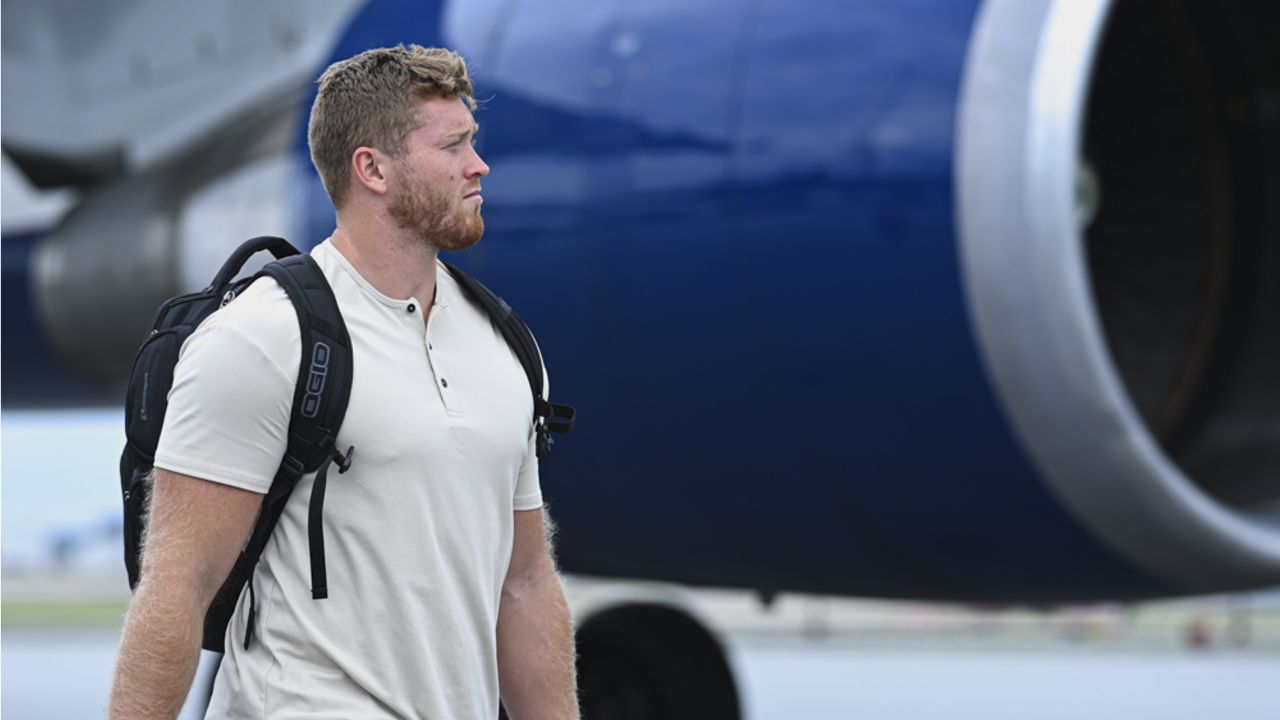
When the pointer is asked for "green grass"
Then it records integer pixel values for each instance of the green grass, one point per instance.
(88, 615)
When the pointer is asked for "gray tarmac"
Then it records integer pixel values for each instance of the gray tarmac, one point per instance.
(67, 674)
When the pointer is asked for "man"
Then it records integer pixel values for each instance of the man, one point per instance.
(442, 590)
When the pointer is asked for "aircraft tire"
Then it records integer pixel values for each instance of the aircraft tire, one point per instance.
(645, 661)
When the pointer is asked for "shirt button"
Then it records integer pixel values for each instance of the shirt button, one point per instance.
(429, 346)
(412, 307)
(444, 382)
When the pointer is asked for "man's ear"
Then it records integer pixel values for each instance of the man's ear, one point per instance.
(369, 167)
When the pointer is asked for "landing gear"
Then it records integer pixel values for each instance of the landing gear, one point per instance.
(646, 661)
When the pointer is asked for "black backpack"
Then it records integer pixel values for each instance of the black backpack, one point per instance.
(319, 404)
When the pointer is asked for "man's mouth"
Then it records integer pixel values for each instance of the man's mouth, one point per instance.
(473, 193)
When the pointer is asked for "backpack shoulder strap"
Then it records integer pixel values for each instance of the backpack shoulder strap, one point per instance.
(319, 405)
(548, 417)
(324, 376)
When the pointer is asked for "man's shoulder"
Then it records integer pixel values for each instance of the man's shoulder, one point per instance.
(481, 317)
(455, 294)
(263, 315)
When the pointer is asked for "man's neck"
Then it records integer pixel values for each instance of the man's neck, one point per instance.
(397, 266)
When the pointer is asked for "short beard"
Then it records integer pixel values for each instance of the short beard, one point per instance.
(420, 209)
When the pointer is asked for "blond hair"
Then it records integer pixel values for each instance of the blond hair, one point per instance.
(371, 100)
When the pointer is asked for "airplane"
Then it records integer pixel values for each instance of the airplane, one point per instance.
(955, 300)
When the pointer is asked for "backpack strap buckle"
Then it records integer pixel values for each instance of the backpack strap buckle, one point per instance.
(344, 461)
(551, 418)
(560, 419)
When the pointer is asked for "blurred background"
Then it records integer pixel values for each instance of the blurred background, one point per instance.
(924, 353)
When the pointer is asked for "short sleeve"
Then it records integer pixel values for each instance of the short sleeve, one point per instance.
(528, 488)
(229, 408)
(528, 484)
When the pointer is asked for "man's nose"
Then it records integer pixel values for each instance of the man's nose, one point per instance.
(479, 168)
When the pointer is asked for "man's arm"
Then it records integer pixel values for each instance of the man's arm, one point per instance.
(195, 531)
(535, 636)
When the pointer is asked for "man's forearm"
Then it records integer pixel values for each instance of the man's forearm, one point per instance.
(535, 650)
(158, 655)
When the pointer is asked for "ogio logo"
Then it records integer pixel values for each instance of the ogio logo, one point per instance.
(316, 380)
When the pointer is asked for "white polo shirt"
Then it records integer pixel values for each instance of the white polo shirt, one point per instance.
(418, 534)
